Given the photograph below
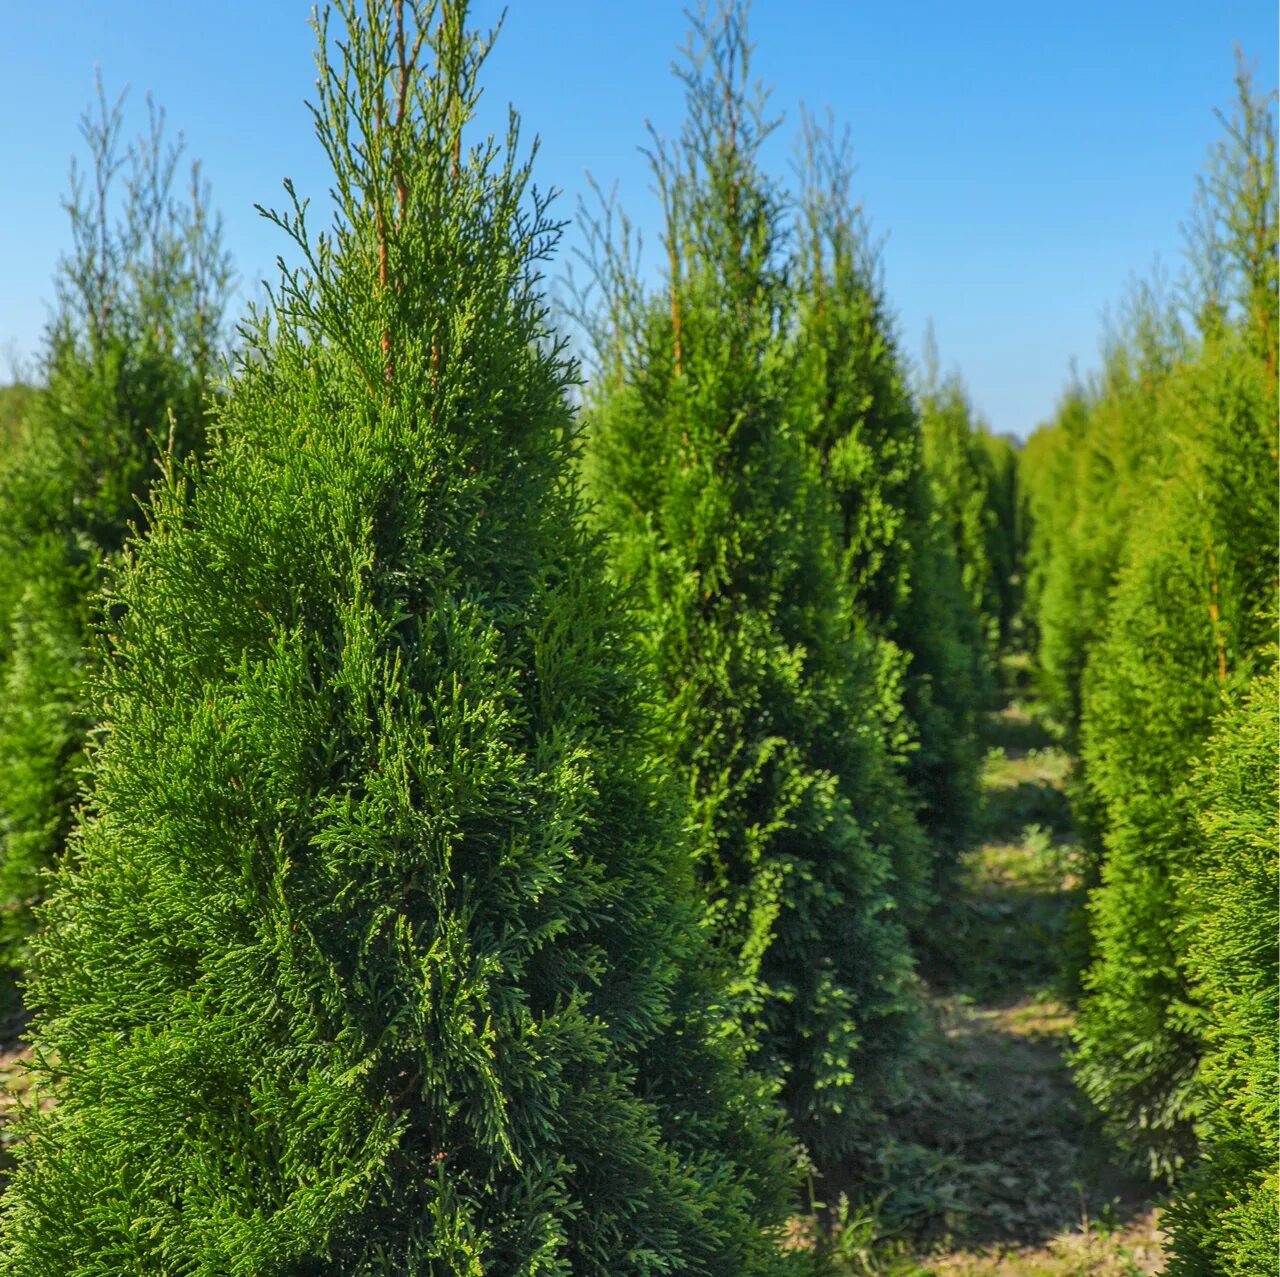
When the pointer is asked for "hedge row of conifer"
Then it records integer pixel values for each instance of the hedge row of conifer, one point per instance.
(486, 837)
(1153, 593)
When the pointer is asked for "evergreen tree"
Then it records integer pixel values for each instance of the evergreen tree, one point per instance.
(767, 698)
(1224, 1217)
(855, 402)
(130, 353)
(963, 487)
(1005, 530)
(1113, 450)
(1047, 479)
(16, 402)
(1189, 624)
(374, 953)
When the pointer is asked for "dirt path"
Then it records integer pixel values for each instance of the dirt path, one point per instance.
(994, 1166)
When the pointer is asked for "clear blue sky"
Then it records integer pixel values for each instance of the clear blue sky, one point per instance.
(1022, 157)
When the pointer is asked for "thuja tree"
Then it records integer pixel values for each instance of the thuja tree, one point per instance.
(963, 490)
(1113, 451)
(766, 698)
(1224, 1216)
(16, 401)
(129, 355)
(373, 953)
(1005, 531)
(1046, 475)
(854, 403)
(1189, 624)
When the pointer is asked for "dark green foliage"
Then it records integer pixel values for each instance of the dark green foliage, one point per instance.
(1005, 531)
(375, 953)
(140, 301)
(768, 701)
(854, 401)
(1224, 1217)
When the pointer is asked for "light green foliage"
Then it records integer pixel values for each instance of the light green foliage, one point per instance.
(374, 954)
(1224, 1217)
(1187, 625)
(853, 399)
(966, 490)
(1111, 445)
(128, 360)
(766, 700)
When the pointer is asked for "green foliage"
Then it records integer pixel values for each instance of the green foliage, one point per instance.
(853, 398)
(1224, 1217)
(1189, 622)
(959, 458)
(768, 702)
(375, 954)
(1088, 477)
(1005, 531)
(16, 403)
(129, 355)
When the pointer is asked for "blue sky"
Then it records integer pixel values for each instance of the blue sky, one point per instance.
(1022, 158)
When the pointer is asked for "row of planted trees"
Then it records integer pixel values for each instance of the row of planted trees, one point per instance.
(1152, 594)
(487, 838)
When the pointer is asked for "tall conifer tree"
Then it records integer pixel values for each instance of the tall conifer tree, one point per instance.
(766, 702)
(855, 403)
(130, 353)
(373, 955)
(1190, 624)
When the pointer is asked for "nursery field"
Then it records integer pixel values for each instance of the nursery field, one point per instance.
(508, 776)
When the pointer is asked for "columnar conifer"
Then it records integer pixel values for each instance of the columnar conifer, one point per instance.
(130, 353)
(965, 492)
(1190, 623)
(766, 702)
(373, 955)
(1188, 626)
(855, 404)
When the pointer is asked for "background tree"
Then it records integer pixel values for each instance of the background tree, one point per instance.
(854, 400)
(1190, 624)
(127, 367)
(767, 700)
(374, 955)
(965, 493)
